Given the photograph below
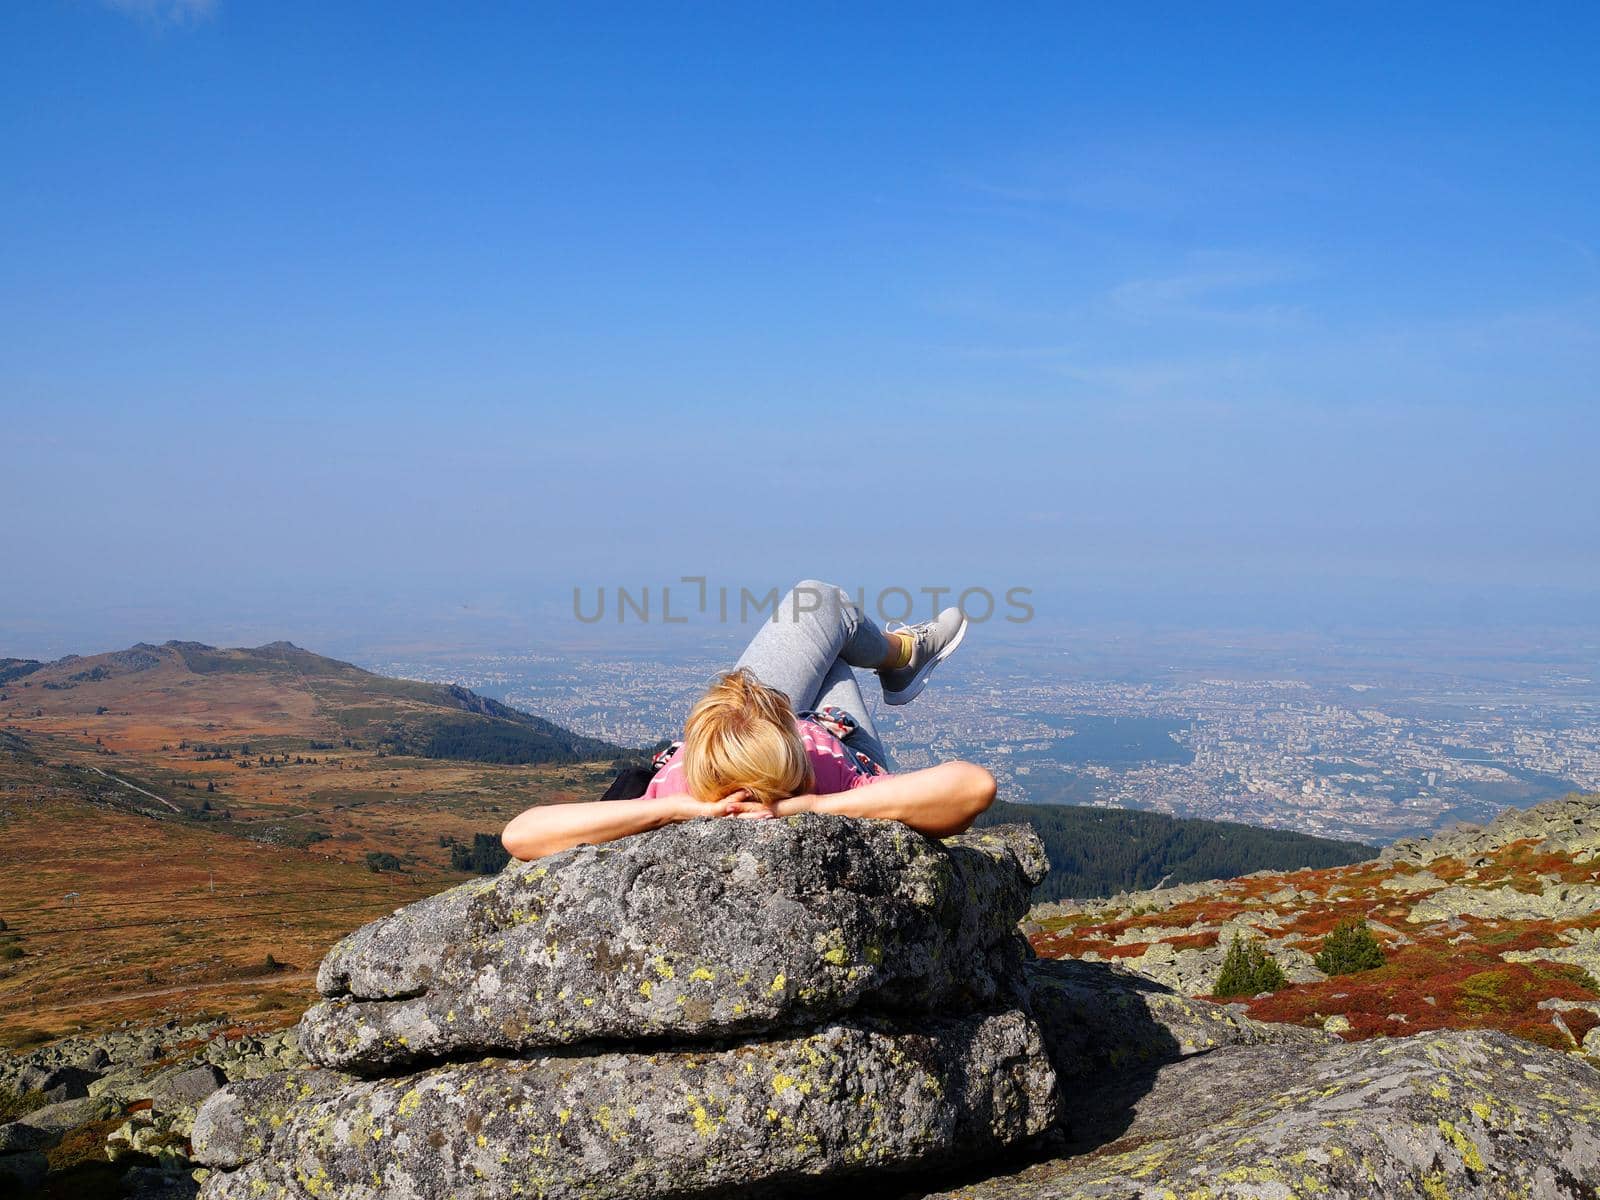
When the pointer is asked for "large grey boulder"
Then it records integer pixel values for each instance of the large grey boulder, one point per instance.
(708, 929)
(1459, 1114)
(46, 1126)
(233, 1126)
(713, 1008)
(848, 1097)
(57, 1083)
(17, 1137)
(1569, 825)
(184, 1087)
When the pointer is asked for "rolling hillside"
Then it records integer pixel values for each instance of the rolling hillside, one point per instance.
(189, 828)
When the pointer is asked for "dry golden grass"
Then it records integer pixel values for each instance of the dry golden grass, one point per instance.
(174, 910)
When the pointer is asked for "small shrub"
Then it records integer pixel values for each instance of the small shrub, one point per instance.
(382, 860)
(1248, 969)
(1348, 949)
(1486, 992)
(10, 953)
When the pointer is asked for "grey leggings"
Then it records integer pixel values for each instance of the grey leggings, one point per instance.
(807, 649)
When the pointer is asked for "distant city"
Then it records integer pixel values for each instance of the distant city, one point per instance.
(1372, 745)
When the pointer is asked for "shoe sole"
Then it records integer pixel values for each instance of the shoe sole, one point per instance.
(920, 679)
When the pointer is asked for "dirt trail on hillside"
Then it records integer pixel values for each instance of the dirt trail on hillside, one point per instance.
(154, 993)
(132, 787)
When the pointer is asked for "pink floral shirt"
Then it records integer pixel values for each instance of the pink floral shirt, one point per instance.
(831, 763)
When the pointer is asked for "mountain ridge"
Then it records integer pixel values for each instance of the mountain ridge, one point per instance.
(356, 703)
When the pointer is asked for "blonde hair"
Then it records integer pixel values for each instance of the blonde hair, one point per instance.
(741, 735)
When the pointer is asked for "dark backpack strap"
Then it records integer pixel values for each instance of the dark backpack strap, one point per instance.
(630, 783)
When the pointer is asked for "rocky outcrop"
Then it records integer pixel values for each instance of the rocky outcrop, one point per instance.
(1570, 825)
(924, 1099)
(1462, 1114)
(1557, 902)
(692, 932)
(719, 1006)
(1166, 1096)
(847, 1097)
(1098, 1081)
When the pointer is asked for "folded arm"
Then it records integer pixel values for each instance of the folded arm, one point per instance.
(552, 827)
(937, 801)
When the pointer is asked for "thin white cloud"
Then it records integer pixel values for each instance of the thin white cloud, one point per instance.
(165, 12)
(1212, 287)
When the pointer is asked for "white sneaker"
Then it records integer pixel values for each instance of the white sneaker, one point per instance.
(934, 641)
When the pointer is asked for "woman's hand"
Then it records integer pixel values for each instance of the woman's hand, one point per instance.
(734, 804)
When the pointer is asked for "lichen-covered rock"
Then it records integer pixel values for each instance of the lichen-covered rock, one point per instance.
(18, 1137)
(184, 1087)
(1460, 1114)
(232, 1127)
(706, 929)
(46, 1126)
(848, 1097)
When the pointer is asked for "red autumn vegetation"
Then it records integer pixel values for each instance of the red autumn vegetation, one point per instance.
(1438, 975)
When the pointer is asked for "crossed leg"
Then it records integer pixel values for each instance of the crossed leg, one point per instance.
(808, 650)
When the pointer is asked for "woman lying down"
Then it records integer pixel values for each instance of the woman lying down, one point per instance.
(787, 731)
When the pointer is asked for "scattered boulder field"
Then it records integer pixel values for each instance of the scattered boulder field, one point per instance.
(1492, 927)
(112, 1114)
(730, 1008)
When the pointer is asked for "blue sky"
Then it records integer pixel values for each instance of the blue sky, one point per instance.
(328, 314)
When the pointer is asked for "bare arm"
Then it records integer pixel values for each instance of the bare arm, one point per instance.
(937, 801)
(553, 827)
